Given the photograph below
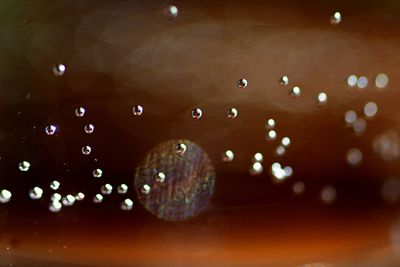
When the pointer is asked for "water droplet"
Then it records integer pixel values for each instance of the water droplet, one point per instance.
(232, 113)
(271, 135)
(106, 189)
(36, 193)
(295, 92)
(98, 198)
(286, 141)
(172, 11)
(97, 173)
(89, 128)
(242, 83)
(352, 80)
(24, 166)
(258, 157)
(137, 110)
(362, 82)
(122, 189)
(55, 206)
(145, 189)
(336, 18)
(350, 116)
(5, 196)
(50, 130)
(159, 177)
(322, 98)
(381, 80)
(270, 124)
(127, 204)
(55, 197)
(328, 194)
(86, 150)
(59, 69)
(80, 196)
(180, 149)
(80, 112)
(256, 168)
(298, 188)
(284, 80)
(370, 109)
(354, 157)
(197, 113)
(55, 185)
(228, 156)
(68, 200)
(280, 151)
(359, 126)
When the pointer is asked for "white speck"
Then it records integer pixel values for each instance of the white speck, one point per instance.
(232, 113)
(89, 128)
(336, 18)
(284, 80)
(55, 206)
(180, 149)
(271, 123)
(228, 156)
(280, 151)
(137, 110)
(271, 135)
(122, 189)
(160, 177)
(350, 116)
(295, 92)
(97, 173)
(80, 196)
(286, 141)
(145, 189)
(362, 82)
(50, 130)
(55, 185)
(197, 113)
(98, 198)
(59, 69)
(106, 189)
(354, 157)
(370, 109)
(242, 83)
(127, 204)
(359, 126)
(5, 196)
(322, 98)
(36, 193)
(256, 168)
(381, 80)
(352, 80)
(24, 166)
(68, 200)
(258, 157)
(80, 112)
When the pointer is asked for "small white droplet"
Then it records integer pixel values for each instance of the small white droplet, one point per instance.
(122, 189)
(381, 80)
(256, 168)
(145, 189)
(80, 196)
(36, 193)
(55, 197)
(97, 173)
(277, 172)
(354, 157)
(80, 112)
(350, 116)
(180, 149)
(284, 80)
(127, 204)
(197, 113)
(242, 83)
(270, 124)
(228, 156)
(232, 113)
(98, 198)
(280, 151)
(24, 166)
(359, 126)
(89, 128)
(172, 11)
(271, 135)
(137, 110)
(352, 80)
(336, 18)
(106, 189)
(86, 150)
(370, 109)
(55, 206)
(160, 177)
(68, 200)
(59, 69)
(322, 98)
(50, 130)
(5, 196)
(362, 82)
(295, 92)
(258, 157)
(286, 141)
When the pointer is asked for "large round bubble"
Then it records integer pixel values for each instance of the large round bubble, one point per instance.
(187, 186)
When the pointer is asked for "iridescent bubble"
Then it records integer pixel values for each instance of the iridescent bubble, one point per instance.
(24, 166)
(298, 188)
(280, 151)
(350, 116)
(180, 149)
(36, 193)
(295, 92)
(106, 189)
(5, 196)
(256, 168)
(354, 157)
(159, 177)
(59, 69)
(336, 18)
(370, 109)
(381, 81)
(50, 130)
(197, 113)
(68, 200)
(328, 194)
(137, 110)
(122, 189)
(89, 128)
(55, 206)
(97, 173)
(55, 185)
(242, 83)
(271, 135)
(98, 198)
(352, 80)
(80, 196)
(228, 156)
(286, 141)
(322, 99)
(270, 124)
(127, 204)
(86, 150)
(359, 126)
(232, 113)
(189, 185)
(80, 112)
(284, 80)
(362, 82)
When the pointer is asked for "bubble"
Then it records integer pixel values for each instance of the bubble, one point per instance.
(68, 200)
(172, 11)
(137, 110)
(387, 145)
(280, 151)
(36, 193)
(359, 126)
(122, 189)
(55, 197)
(180, 149)
(24, 166)
(285, 141)
(277, 171)
(59, 69)
(5, 196)
(197, 113)
(232, 113)
(258, 157)
(370, 109)
(298, 188)
(354, 157)
(55, 206)
(50, 130)
(80, 112)
(80, 196)
(288, 171)
(352, 80)
(381, 80)
(242, 83)
(284, 80)
(98, 198)
(295, 92)
(86, 150)
(350, 116)
(89, 128)
(256, 168)
(391, 190)
(271, 135)
(106, 189)
(55, 185)
(270, 124)
(97, 173)
(127, 204)
(336, 18)
(159, 177)
(362, 82)
(322, 98)
(228, 156)
(189, 185)
(328, 194)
